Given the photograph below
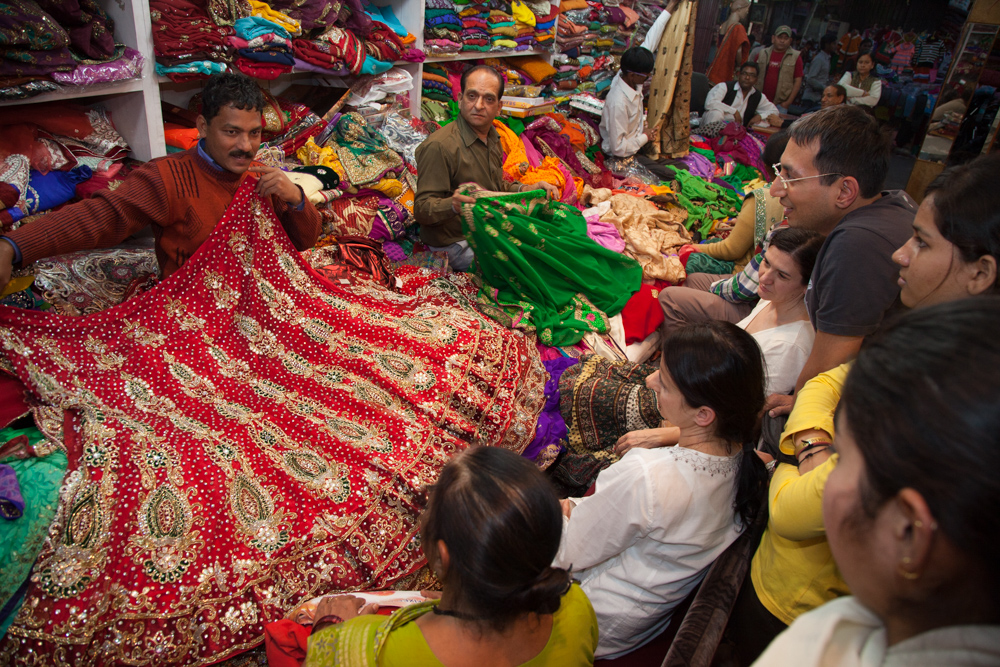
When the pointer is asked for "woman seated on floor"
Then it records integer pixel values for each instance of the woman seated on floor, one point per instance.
(659, 517)
(910, 509)
(490, 531)
(598, 433)
(759, 213)
(952, 255)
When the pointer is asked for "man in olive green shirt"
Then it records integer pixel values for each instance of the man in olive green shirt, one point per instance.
(465, 151)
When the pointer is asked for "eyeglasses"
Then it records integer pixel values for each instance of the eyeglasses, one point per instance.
(786, 181)
(644, 75)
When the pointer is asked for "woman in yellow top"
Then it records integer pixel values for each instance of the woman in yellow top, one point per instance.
(490, 532)
(952, 255)
(760, 212)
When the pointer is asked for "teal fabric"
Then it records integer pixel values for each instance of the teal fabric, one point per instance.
(21, 540)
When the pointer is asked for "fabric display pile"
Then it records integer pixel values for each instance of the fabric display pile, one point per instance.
(194, 39)
(51, 43)
(65, 152)
(452, 27)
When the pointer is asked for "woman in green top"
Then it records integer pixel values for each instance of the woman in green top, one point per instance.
(490, 532)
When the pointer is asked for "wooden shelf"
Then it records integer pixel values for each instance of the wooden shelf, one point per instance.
(78, 92)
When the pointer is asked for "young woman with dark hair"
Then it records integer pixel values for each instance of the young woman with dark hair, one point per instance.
(910, 510)
(952, 255)
(490, 532)
(862, 86)
(659, 517)
(956, 237)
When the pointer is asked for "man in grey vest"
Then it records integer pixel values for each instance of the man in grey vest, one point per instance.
(738, 101)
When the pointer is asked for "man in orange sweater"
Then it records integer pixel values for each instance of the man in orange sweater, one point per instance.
(182, 196)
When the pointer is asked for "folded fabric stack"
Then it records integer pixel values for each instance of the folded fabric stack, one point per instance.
(545, 24)
(533, 69)
(442, 28)
(265, 40)
(48, 37)
(502, 30)
(44, 160)
(437, 83)
(264, 46)
(475, 28)
(187, 42)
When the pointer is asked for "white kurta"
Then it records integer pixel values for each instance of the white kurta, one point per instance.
(657, 520)
(845, 633)
(716, 111)
(622, 120)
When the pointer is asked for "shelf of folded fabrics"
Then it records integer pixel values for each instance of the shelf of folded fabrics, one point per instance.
(77, 92)
(475, 55)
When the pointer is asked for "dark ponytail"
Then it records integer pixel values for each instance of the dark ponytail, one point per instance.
(719, 365)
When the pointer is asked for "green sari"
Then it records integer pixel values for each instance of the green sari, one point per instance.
(540, 270)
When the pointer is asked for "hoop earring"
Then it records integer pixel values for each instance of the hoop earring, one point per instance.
(906, 574)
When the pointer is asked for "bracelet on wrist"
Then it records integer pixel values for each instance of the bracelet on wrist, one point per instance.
(812, 454)
(812, 443)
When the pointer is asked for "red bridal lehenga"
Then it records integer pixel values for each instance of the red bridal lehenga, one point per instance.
(244, 436)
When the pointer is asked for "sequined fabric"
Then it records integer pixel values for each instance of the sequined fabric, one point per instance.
(247, 435)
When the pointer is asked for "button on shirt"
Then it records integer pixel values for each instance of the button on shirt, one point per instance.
(448, 158)
(621, 122)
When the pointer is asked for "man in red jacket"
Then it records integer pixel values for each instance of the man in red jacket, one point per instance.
(182, 196)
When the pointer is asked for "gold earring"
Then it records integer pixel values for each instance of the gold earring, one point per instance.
(906, 574)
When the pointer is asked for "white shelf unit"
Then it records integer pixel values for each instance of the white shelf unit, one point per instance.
(135, 104)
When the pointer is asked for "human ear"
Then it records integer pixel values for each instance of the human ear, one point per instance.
(914, 532)
(848, 192)
(202, 126)
(444, 559)
(985, 275)
(705, 416)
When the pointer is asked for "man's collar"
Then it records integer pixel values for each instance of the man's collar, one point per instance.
(630, 92)
(469, 135)
(208, 158)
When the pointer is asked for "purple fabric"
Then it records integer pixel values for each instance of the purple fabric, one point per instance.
(303, 66)
(743, 148)
(129, 66)
(12, 503)
(699, 165)
(605, 234)
(551, 425)
(560, 145)
(394, 251)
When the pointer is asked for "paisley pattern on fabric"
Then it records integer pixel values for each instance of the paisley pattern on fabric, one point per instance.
(247, 435)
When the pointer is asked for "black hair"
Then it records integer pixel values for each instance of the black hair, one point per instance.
(773, 149)
(865, 53)
(851, 143)
(921, 403)
(483, 68)
(750, 63)
(841, 91)
(802, 244)
(230, 88)
(500, 518)
(967, 208)
(719, 365)
(826, 39)
(638, 59)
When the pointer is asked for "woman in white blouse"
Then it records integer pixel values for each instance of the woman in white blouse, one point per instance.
(659, 517)
(862, 86)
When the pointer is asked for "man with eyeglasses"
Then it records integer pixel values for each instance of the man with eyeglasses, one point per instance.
(465, 151)
(830, 181)
(738, 101)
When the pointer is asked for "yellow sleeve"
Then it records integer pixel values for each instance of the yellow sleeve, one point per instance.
(738, 243)
(814, 406)
(795, 501)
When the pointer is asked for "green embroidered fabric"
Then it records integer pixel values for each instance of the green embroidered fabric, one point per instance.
(540, 271)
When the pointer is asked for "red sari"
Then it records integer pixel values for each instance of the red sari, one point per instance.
(725, 63)
(247, 435)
